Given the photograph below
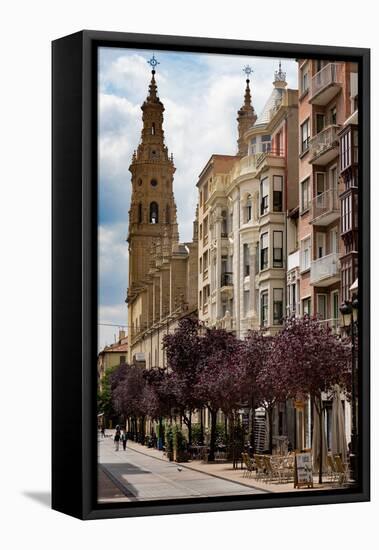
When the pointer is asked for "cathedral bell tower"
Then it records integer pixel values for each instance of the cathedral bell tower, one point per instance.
(246, 115)
(152, 213)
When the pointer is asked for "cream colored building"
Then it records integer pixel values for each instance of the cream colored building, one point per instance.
(243, 204)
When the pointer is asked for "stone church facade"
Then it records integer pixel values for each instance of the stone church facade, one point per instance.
(162, 271)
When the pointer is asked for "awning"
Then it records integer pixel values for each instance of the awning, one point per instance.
(354, 286)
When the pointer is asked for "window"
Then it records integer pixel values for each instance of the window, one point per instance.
(246, 302)
(205, 193)
(345, 150)
(153, 129)
(305, 195)
(320, 122)
(200, 299)
(248, 209)
(335, 305)
(266, 144)
(264, 308)
(201, 265)
(333, 178)
(320, 245)
(278, 194)
(154, 218)
(346, 214)
(205, 260)
(304, 136)
(201, 231)
(264, 196)
(253, 146)
(333, 240)
(278, 249)
(322, 306)
(264, 251)
(140, 213)
(224, 224)
(153, 182)
(292, 298)
(278, 306)
(305, 254)
(306, 306)
(205, 229)
(246, 260)
(333, 115)
(122, 359)
(304, 83)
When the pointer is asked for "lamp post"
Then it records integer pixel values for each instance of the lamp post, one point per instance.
(349, 312)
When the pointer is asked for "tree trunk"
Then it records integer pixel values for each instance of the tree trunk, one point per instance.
(160, 441)
(212, 444)
(252, 432)
(201, 427)
(270, 414)
(226, 428)
(320, 464)
(189, 426)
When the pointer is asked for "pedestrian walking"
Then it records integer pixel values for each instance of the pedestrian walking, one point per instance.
(117, 438)
(124, 438)
(102, 431)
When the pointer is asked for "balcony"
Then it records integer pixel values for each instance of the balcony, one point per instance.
(293, 260)
(326, 270)
(325, 208)
(326, 84)
(324, 146)
(275, 158)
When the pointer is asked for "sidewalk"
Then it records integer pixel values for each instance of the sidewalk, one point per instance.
(225, 471)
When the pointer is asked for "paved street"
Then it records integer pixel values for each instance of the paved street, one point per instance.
(131, 475)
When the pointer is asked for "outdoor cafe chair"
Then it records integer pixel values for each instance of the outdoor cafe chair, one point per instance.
(341, 469)
(260, 467)
(332, 469)
(249, 465)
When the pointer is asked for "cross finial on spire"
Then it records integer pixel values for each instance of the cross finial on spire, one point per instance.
(153, 62)
(247, 70)
(280, 76)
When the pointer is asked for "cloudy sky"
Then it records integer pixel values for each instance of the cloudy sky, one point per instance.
(201, 94)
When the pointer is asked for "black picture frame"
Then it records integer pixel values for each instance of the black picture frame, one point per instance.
(74, 272)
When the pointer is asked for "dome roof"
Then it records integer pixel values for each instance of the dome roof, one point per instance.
(271, 103)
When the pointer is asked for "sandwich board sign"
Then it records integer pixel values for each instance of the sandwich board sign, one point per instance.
(303, 470)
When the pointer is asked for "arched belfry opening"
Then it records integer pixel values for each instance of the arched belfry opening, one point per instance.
(140, 213)
(154, 213)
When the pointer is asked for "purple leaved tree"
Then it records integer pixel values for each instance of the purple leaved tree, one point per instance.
(313, 362)
(221, 377)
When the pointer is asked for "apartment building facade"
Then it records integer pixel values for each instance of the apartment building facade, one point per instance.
(242, 219)
(322, 263)
(326, 90)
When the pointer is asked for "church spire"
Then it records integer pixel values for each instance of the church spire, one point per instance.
(246, 115)
(280, 77)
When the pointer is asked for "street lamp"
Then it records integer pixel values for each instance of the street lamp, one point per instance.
(349, 312)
